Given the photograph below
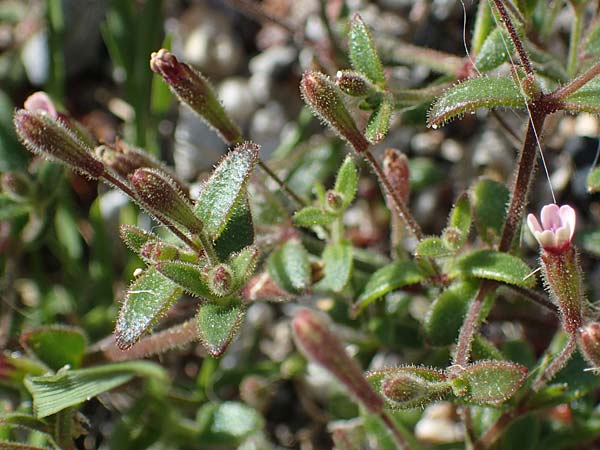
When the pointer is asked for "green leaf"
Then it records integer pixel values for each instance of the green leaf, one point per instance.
(25, 421)
(387, 279)
(227, 423)
(493, 265)
(489, 199)
(53, 393)
(460, 216)
(135, 238)
(346, 182)
(379, 122)
(484, 24)
(56, 345)
(11, 445)
(147, 299)
(489, 382)
(311, 216)
(337, 258)
(243, 265)
(585, 99)
(363, 55)
(191, 277)
(527, 7)
(493, 51)
(424, 173)
(239, 231)
(432, 247)
(225, 187)
(289, 267)
(447, 312)
(67, 232)
(592, 182)
(474, 93)
(218, 323)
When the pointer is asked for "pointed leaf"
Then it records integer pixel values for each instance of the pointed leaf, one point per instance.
(225, 187)
(489, 200)
(493, 265)
(338, 261)
(494, 50)
(387, 279)
(363, 55)
(489, 382)
(243, 265)
(239, 231)
(447, 312)
(346, 182)
(147, 299)
(379, 122)
(289, 267)
(469, 95)
(191, 277)
(311, 216)
(484, 24)
(218, 324)
(135, 238)
(585, 99)
(56, 345)
(53, 393)
(432, 247)
(592, 182)
(460, 216)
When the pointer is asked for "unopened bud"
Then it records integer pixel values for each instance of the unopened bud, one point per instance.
(313, 336)
(453, 238)
(335, 201)
(326, 100)
(41, 134)
(159, 193)
(15, 185)
(220, 280)
(395, 167)
(40, 102)
(354, 83)
(195, 91)
(125, 159)
(407, 390)
(589, 343)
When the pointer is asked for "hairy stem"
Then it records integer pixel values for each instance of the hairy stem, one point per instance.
(559, 362)
(577, 83)
(514, 37)
(282, 184)
(116, 182)
(401, 207)
(176, 336)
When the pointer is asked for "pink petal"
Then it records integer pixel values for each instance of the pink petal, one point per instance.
(39, 101)
(533, 224)
(568, 219)
(546, 238)
(550, 217)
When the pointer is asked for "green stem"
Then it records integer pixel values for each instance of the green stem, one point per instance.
(574, 40)
(577, 83)
(514, 36)
(559, 362)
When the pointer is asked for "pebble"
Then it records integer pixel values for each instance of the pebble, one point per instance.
(237, 99)
(266, 127)
(273, 61)
(437, 427)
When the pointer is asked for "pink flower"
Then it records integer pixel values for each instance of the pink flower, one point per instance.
(557, 229)
(40, 102)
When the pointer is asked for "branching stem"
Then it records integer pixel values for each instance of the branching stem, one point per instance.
(514, 36)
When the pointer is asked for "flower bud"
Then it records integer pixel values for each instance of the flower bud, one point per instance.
(353, 83)
(313, 336)
(395, 167)
(408, 390)
(195, 91)
(155, 251)
(335, 201)
(40, 102)
(557, 229)
(220, 280)
(326, 101)
(41, 134)
(159, 193)
(589, 343)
